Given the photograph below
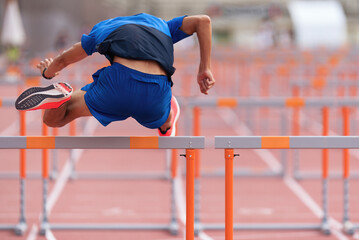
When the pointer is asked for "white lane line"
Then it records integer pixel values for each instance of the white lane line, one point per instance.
(204, 236)
(49, 235)
(33, 233)
(294, 186)
(181, 204)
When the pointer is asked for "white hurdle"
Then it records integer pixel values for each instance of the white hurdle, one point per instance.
(113, 142)
(283, 142)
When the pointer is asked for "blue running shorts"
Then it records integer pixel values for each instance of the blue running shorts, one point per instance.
(119, 92)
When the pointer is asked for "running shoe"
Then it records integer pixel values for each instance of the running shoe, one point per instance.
(175, 115)
(52, 96)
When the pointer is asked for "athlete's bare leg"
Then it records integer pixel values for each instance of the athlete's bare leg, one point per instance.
(70, 110)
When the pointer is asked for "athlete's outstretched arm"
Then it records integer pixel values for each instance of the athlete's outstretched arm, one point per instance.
(69, 56)
(201, 24)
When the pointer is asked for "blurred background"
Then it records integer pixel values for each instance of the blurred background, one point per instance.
(261, 49)
(247, 24)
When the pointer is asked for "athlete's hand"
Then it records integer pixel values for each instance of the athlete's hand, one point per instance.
(205, 80)
(45, 64)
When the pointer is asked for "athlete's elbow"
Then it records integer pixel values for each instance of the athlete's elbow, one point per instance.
(205, 19)
(203, 22)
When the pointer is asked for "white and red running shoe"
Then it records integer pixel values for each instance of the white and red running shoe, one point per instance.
(175, 115)
(52, 96)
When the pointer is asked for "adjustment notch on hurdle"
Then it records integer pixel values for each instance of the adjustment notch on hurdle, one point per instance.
(179, 142)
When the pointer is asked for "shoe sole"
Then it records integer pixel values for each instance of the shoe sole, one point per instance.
(48, 97)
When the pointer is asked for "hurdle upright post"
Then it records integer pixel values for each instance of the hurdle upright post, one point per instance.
(296, 132)
(21, 227)
(228, 155)
(45, 177)
(54, 156)
(325, 170)
(348, 226)
(197, 132)
(190, 169)
(45, 153)
(72, 132)
(174, 165)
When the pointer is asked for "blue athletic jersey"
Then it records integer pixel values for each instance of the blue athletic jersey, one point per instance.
(141, 37)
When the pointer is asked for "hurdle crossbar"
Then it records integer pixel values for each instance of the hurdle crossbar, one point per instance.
(271, 102)
(7, 102)
(100, 142)
(277, 142)
(287, 142)
(330, 83)
(113, 142)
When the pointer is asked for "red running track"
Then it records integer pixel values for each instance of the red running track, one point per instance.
(265, 200)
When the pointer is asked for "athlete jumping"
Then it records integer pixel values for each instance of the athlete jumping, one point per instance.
(138, 82)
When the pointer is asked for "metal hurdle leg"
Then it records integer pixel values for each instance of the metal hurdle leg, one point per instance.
(228, 226)
(197, 132)
(45, 178)
(73, 174)
(249, 118)
(325, 171)
(229, 155)
(348, 226)
(54, 158)
(55, 164)
(197, 207)
(190, 163)
(284, 152)
(174, 228)
(325, 228)
(21, 227)
(45, 221)
(296, 129)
